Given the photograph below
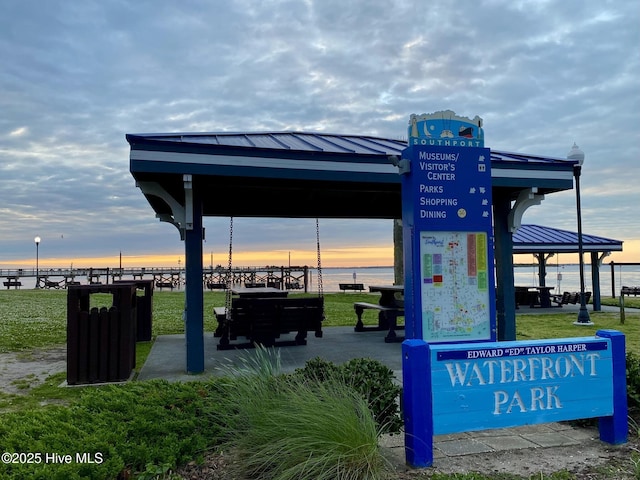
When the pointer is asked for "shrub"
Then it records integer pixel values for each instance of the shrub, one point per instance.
(318, 369)
(633, 379)
(372, 379)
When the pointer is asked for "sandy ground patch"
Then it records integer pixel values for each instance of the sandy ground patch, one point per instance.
(29, 369)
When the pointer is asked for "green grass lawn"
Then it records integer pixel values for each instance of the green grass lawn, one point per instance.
(37, 318)
(560, 325)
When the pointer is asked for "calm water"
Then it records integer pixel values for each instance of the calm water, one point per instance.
(562, 277)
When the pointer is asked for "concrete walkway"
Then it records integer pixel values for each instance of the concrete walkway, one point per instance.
(167, 360)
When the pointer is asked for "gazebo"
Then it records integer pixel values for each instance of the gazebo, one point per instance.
(544, 242)
(186, 176)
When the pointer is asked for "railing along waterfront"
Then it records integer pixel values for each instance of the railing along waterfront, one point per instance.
(284, 277)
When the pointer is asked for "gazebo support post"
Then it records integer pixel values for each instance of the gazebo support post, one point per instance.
(194, 293)
(505, 291)
(398, 254)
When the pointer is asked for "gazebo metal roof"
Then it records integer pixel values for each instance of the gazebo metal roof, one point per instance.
(540, 239)
(317, 142)
(302, 174)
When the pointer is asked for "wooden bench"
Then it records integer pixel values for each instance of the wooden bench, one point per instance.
(635, 291)
(570, 298)
(216, 286)
(12, 283)
(356, 287)
(387, 319)
(264, 320)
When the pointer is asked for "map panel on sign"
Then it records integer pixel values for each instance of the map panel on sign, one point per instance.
(454, 287)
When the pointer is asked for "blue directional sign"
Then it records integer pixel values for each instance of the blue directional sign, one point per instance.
(449, 278)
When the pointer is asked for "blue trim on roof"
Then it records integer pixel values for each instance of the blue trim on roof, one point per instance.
(150, 166)
(553, 183)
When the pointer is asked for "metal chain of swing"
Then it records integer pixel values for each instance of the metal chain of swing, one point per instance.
(320, 287)
(227, 298)
(227, 303)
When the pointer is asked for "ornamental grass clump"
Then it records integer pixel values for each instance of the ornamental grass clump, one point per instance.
(284, 427)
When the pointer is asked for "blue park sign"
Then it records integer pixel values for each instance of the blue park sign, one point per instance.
(481, 386)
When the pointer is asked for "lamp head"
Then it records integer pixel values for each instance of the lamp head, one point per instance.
(576, 154)
(37, 240)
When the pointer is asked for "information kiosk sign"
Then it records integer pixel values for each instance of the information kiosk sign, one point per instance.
(467, 381)
(446, 214)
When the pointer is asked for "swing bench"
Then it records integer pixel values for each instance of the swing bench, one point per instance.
(263, 321)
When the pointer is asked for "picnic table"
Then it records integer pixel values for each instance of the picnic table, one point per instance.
(389, 309)
(534, 296)
(12, 282)
(388, 294)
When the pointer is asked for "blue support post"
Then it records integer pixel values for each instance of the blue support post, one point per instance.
(614, 429)
(194, 293)
(417, 407)
(506, 292)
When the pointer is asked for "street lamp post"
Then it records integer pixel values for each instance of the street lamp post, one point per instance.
(37, 240)
(577, 154)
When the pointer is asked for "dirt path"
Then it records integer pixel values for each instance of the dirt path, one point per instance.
(23, 370)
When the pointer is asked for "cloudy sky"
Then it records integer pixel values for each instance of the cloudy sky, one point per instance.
(77, 76)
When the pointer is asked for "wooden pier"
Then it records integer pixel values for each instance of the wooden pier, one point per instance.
(213, 278)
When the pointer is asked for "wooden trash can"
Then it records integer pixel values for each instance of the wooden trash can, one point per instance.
(101, 342)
